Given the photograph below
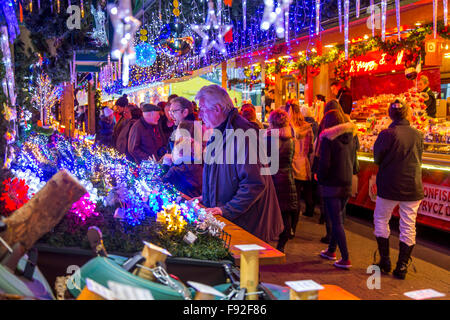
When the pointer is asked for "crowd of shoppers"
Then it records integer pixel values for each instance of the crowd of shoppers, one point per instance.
(316, 163)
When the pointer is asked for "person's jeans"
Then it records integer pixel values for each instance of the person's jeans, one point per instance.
(334, 212)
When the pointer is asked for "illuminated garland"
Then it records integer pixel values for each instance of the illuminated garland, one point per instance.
(413, 44)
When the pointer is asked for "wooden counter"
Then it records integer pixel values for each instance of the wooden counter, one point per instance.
(240, 236)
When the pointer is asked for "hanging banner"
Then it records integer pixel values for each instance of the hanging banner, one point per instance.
(436, 202)
(376, 62)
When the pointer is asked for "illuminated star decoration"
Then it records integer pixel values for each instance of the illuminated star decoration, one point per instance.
(99, 33)
(125, 27)
(279, 17)
(211, 20)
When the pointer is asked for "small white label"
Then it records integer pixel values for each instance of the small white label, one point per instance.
(424, 294)
(156, 248)
(205, 289)
(249, 247)
(98, 289)
(304, 285)
(125, 292)
(189, 238)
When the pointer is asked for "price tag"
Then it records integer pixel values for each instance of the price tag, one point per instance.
(156, 248)
(98, 289)
(424, 294)
(190, 238)
(124, 292)
(205, 289)
(304, 285)
(249, 247)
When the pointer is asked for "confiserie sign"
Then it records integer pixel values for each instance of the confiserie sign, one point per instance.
(436, 202)
(376, 62)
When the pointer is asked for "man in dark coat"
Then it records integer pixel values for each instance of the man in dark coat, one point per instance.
(145, 139)
(423, 86)
(235, 189)
(398, 153)
(343, 95)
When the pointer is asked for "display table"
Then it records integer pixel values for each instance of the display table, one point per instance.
(332, 292)
(240, 236)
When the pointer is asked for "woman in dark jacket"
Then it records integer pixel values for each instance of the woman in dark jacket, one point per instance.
(337, 164)
(284, 178)
(186, 172)
(122, 139)
(398, 153)
(106, 127)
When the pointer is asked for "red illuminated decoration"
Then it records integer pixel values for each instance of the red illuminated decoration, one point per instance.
(15, 195)
(376, 61)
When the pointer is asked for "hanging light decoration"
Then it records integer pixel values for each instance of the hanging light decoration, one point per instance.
(317, 17)
(383, 19)
(346, 16)
(445, 4)
(397, 13)
(145, 55)
(340, 14)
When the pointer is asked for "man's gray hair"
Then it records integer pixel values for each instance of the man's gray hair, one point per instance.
(214, 94)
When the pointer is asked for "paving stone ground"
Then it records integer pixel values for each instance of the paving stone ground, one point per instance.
(304, 263)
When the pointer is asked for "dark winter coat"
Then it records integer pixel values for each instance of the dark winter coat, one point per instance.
(283, 180)
(430, 103)
(337, 161)
(145, 140)
(118, 128)
(245, 196)
(165, 130)
(105, 132)
(314, 126)
(187, 178)
(345, 99)
(398, 153)
(122, 139)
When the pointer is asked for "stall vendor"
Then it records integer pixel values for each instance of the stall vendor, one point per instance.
(423, 86)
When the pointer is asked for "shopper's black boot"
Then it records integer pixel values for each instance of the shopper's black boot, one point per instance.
(282, 243)
(385, 260)
(404, 256)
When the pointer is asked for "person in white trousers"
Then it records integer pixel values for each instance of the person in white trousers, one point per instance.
(398, 153)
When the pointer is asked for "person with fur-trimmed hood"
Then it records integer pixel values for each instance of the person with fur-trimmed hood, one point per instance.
(337, 164)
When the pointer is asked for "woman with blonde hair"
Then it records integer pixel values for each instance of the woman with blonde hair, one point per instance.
(303, 141)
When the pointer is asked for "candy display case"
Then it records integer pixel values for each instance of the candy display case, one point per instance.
(371, 117)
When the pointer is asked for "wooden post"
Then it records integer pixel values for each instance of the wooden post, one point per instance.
(67, 110)
(224, 75)
(39, 215)
(250, 272)
(250, 268)
(278, 91)
(152, 254)
(91, 109)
